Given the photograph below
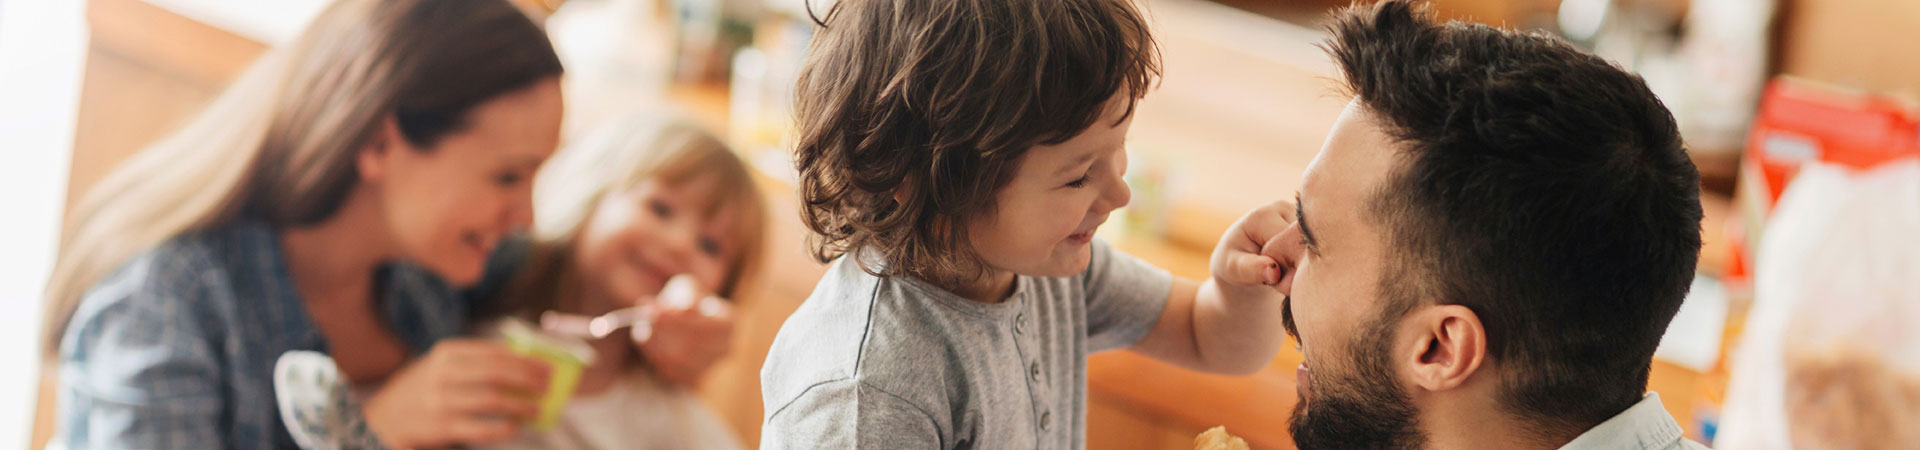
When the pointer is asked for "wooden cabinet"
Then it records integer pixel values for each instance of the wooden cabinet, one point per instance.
(1860, 44)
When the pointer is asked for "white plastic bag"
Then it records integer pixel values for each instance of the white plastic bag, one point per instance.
(1831, 353)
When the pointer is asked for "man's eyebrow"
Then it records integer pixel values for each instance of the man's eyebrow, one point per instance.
(1300, 216)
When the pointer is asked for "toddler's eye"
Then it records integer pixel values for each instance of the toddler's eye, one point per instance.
(1081, 182)
(660, 209)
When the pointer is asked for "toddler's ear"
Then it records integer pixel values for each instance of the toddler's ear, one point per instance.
(904, 190)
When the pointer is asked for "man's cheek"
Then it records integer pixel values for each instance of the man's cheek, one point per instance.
(1306, 306)
(1316, 315)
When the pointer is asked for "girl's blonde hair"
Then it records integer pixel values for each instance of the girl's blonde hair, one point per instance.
(279, 145)
(619, 155)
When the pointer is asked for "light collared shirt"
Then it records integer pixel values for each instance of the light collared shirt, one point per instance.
(896, 363)
(1644, 426)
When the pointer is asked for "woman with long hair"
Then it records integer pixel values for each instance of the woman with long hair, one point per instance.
(343, 197)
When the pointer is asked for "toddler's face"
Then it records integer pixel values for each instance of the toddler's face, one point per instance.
(638, 238)
(1045, 216)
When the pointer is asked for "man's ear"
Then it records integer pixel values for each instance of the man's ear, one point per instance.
(373, 157)
(1445, 346)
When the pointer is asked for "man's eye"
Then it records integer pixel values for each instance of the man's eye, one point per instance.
(660, 209)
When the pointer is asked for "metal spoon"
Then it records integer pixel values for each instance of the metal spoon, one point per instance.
(640, 318)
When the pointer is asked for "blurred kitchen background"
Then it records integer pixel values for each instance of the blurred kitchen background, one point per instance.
(1799, 113)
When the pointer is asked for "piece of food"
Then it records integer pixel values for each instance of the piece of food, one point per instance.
(1218, 439)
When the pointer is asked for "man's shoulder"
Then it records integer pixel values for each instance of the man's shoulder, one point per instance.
(1644, 425)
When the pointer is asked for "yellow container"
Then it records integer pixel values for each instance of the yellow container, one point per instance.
(567, 357)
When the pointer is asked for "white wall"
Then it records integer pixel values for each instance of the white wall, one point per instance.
(42, 52)
(273, 22)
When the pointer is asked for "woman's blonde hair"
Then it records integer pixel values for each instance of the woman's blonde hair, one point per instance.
(279, 145)
(619, 155)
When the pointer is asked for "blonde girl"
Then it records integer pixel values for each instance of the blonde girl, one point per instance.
(637, 203)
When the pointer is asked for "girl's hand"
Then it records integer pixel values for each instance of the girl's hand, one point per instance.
(462, 392)
(691, 331)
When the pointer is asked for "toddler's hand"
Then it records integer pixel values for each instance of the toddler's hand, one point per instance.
(691, 331)
(1239, 265)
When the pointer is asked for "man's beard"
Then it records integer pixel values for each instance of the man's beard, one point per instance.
(1361, 410)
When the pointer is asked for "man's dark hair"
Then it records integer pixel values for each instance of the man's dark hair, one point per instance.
(1540, 186)
(939, 100)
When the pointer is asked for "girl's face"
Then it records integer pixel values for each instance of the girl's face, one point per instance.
(449, 204)
(638, 238)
